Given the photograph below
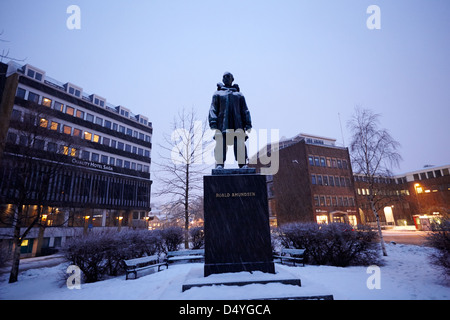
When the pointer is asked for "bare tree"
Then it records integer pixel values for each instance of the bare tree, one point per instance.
(29, 171)
(373, 154)
(5, 52)
(181, 169)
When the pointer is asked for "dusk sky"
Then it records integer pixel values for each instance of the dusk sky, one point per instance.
(298, 63)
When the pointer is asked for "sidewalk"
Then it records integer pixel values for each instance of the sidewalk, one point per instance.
(405, 236)
(36, 262)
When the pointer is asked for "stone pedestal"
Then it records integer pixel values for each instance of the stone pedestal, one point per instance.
(237, 232)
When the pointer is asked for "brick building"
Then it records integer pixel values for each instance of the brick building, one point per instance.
(412, 199)
(80, 160)
(314, 183)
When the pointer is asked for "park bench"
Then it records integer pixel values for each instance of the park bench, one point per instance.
(294, 255)
(135, 265)
(190, 255)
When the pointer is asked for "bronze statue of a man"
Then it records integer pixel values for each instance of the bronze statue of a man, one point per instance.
(230, 117)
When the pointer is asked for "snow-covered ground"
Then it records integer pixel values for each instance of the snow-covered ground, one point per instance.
(406, 274)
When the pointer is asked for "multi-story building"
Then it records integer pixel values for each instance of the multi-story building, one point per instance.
(82, 161)
(313, 184)
(412, 199)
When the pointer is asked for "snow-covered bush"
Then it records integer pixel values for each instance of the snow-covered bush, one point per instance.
(101, 253)
(336, 244)
(439, 238)
(197, 237)
(89, 253)
(172, 237)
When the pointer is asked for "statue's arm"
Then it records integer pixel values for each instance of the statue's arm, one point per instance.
(245, 115)
(213, 112)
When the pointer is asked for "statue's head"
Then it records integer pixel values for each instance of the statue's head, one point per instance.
(227, 79)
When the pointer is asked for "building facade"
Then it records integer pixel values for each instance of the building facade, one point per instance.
(414, 199)
(74, 159)
(313, 184)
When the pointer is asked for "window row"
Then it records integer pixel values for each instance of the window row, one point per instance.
(53, 147)
(21, 93)
(325, 180)
(384, 180)
(431, 174)
(333, 201)
(113, 161)
(383, 192)
(40, 144)
(82, 134)
(327, 162)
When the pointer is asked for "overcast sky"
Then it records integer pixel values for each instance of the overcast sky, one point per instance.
(298, 63)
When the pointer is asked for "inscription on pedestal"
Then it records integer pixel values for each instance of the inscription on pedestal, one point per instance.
(237, 232)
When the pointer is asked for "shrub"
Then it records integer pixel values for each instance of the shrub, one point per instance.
(439, 238)
(197, 237)
(88, 253)
(100, 253)
(336, 244)
(172, 237)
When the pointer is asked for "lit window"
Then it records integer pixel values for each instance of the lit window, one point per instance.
(321, 219)
(77, 132)
(43, 123)
(96, 138)
(80, 114)
(70, 110)
(65, 150)
(67, 129)
(88, 136)
(46, 102)
(73, 152)
(54, 125)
